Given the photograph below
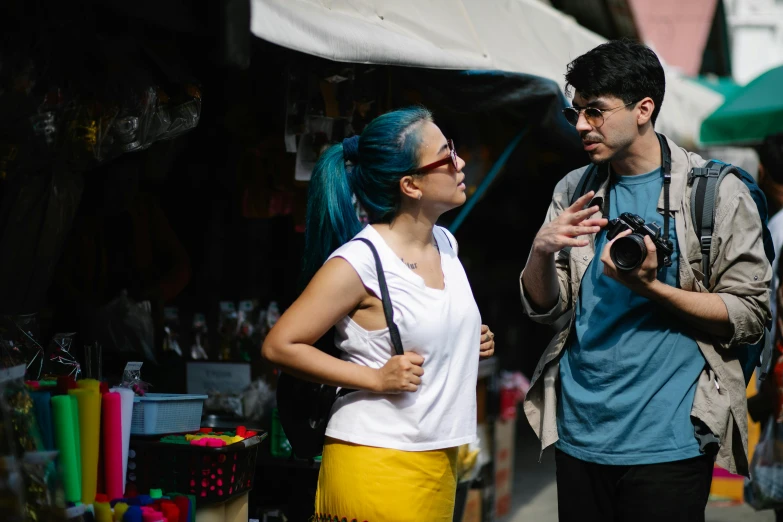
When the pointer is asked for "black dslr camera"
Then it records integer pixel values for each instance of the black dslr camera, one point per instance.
(628, 252)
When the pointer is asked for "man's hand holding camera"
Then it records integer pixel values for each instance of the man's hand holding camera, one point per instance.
(633, 255)
(642, 278)
(634, 252)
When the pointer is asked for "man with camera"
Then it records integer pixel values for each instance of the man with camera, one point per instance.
(640, 390)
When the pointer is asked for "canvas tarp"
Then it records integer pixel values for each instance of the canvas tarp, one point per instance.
(524, 36)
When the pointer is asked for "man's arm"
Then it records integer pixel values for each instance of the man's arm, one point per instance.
(564, 228)
(737, 308)
(741, 270)
(705, 311)
(539, 281)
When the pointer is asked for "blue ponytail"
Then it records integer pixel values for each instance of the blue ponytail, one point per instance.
(387, 150)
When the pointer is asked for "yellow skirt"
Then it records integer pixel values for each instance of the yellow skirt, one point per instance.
(363, 483)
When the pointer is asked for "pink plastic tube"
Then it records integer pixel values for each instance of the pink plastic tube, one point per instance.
(112, 444)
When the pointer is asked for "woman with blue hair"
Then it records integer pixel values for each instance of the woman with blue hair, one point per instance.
(391, 446)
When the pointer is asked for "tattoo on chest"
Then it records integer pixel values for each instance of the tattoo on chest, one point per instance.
(412, 266)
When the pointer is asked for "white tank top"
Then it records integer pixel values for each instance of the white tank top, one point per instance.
(443, 326)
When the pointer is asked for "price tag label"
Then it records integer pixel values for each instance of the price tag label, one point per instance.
(133, 366)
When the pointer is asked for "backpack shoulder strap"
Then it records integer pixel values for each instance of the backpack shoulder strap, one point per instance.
(447, 235)
(583, 182)
(591, 180)
(705, 181)
(388, 311)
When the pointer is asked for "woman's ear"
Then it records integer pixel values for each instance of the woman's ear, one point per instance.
(409, 186)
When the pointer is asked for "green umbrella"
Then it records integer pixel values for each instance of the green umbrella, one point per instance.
(752, 113)
(723, 85)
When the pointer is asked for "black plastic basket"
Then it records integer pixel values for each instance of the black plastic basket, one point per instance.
(212, 475)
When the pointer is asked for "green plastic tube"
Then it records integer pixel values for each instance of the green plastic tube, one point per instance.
(65, 442)
(90, 431)
(77, 436)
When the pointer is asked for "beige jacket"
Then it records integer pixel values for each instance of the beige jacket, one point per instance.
(740, 276)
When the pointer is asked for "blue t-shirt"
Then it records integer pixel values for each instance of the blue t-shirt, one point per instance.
(629, 373)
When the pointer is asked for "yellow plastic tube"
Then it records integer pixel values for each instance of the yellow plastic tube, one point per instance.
(90, 431)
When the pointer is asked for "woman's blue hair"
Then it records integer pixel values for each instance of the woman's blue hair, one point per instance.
(387, 150)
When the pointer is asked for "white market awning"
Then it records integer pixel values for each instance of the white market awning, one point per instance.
(524, 36)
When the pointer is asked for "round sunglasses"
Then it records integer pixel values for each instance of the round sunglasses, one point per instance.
(595, 117)
(452, 157)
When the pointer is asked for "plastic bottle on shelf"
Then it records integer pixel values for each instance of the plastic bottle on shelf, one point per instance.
(279, 446)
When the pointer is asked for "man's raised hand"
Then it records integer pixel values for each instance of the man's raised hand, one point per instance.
(569, 228)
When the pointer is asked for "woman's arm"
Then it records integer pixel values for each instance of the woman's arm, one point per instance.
(334, 292)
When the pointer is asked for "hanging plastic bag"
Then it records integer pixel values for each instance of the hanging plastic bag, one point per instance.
(59, 359)
(44, 493)
(764, 488)
(124, 325)
(19, 343)
(26, 432)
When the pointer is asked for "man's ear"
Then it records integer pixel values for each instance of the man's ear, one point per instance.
(646, 108)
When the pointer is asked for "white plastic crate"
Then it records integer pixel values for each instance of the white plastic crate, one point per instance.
(162, 413)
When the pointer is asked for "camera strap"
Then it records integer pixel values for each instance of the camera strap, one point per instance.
(596, 175)
(666, 167)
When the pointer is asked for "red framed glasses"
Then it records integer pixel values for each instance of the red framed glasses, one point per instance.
(452, 158)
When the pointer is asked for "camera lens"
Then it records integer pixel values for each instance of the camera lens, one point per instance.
(628, 252)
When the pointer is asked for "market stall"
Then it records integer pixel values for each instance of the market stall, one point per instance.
(117, 453)
(196, 320)
(156, 214)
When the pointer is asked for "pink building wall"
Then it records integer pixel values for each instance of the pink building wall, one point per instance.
(676, 29)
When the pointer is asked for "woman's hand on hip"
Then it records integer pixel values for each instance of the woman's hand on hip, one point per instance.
(402, 373)
(487, 344)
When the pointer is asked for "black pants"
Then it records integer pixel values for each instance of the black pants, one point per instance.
(668, 492)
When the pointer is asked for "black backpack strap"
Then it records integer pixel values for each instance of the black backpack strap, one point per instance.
(592, 179)
(584, 181)
(388, 311)
(447, 239)
(705, 182)
(446, 234)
